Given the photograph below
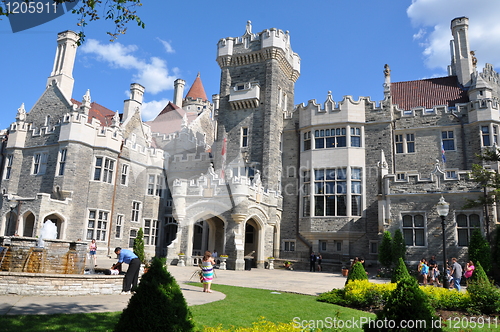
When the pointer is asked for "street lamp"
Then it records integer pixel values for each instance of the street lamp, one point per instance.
(443, 208)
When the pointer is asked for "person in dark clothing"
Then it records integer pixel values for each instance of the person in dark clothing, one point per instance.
(134, 263)
(312, 262)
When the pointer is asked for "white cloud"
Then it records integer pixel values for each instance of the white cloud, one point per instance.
(166, 44)
(153, 74)
(150, 110)
(436, 15)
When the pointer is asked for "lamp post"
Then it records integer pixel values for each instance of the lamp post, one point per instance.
(443, 208)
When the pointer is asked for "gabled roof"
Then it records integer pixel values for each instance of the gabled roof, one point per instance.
(428, 93)
(197, 90)
(99, 112)
(170, 119)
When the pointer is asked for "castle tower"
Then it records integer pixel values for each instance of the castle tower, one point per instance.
(64, 61)
(135, 101)
(256, 90)
(196, 98)
(461, 57)
(178, 91)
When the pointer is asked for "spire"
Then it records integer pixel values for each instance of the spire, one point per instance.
(197, 90)
(86, 102)
(387, 80)
(248, 28)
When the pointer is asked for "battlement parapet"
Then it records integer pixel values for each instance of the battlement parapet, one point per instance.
(348, 110)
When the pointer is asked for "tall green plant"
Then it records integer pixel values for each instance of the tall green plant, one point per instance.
(479, 250)
(385, 250)
(485, 297)
(398, 246)
(406, 303)
(157, 305)
(400, 271)
(357, 272)
(139, 246)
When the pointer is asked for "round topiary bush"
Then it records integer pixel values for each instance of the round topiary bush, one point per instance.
(406, 305)
(400, 271)
(157, 305)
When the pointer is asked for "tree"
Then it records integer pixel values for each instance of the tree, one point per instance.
(139, 246)
(489, 181)
(479, 250)
(157, 305)
(485, 297)
(398, 246)
(406, 303)
(400, 271)
(357, 272)
(120, 12)
(385, 250)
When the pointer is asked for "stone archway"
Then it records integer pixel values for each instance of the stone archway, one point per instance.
(252, 234)
(10, 222)
(29, 225)
(59, 224)
(208, 234)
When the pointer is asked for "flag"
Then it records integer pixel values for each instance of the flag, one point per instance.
(223, 155)
(443, 157)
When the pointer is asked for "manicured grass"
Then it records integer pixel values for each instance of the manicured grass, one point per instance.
(243, 306)
(240, 308)
(98, 322)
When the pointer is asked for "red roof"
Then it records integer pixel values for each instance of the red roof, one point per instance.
(197, 90)
(428, 93)
(99, 112)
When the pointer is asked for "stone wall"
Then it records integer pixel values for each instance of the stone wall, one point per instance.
(29, 284)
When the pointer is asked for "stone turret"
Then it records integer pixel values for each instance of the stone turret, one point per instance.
(62, 72)
(178, 91)
(135, 101)
(461, 56)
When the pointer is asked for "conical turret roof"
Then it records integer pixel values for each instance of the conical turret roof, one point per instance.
(197, 90)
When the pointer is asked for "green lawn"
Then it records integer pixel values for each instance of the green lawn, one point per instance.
(241, 307)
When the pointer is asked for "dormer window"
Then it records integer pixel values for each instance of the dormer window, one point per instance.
(240, 87)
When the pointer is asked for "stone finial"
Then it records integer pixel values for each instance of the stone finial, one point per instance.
(249, 28)
(21, 113)
(116, 120)
(474, 59)
(184, 123)
(86, 100)
(387, 80)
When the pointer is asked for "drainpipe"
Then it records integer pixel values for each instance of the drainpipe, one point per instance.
(117, 173)
(299, 236)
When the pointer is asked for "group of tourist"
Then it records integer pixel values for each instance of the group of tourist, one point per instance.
(429, 272)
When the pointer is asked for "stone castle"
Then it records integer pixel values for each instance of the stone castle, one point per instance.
(249, 174)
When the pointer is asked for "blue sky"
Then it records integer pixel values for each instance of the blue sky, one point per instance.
(343, 46)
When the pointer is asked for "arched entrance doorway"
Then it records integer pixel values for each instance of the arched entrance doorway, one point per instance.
(209, 234)
(252, 241)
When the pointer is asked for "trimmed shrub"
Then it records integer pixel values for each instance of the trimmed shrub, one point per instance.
(385, 250)
(480, 251)
(485, 297)
(158, 304)
(357, 272)
(359, 294)
(139, 246)
(400, 271)
(262, 325)
(406, 303)
(398, 247)
(445, 299)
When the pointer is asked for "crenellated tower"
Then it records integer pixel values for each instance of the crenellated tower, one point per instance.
(259, 71)
(461, 57)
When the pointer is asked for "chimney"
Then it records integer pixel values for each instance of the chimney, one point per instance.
(62, 72)
(135, 101)
(178, 91)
